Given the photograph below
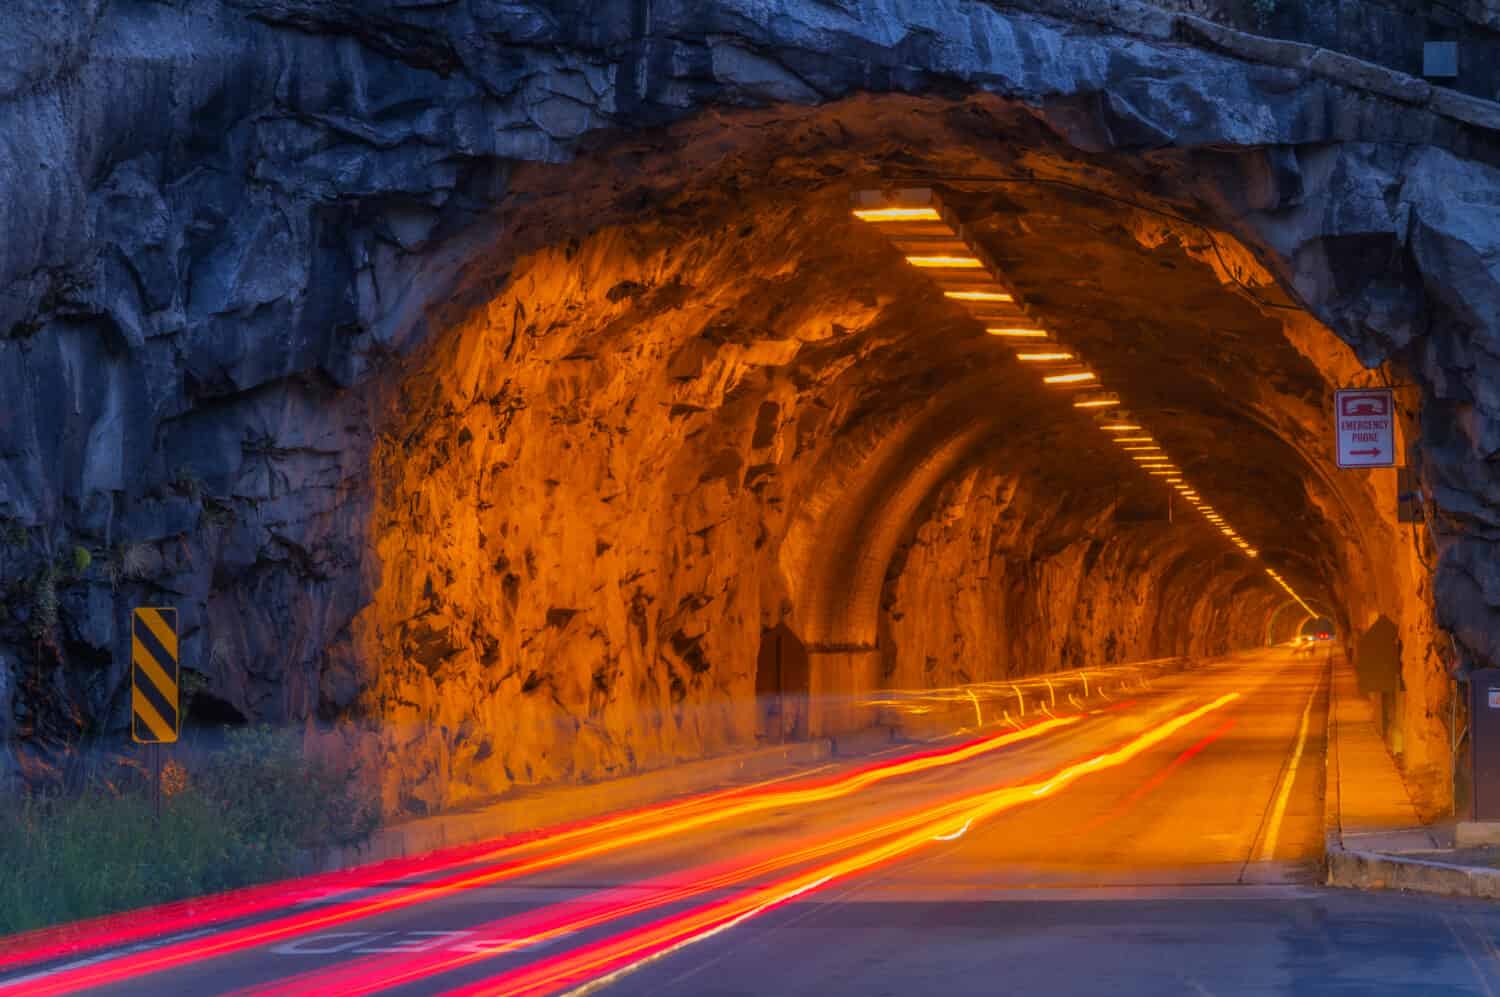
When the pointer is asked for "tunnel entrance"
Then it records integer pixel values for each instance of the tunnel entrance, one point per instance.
(654, 422)
(781, 686)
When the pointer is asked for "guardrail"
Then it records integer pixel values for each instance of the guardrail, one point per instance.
(921, 714)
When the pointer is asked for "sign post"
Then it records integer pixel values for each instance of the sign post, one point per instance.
(1364, 421)
(155, 716)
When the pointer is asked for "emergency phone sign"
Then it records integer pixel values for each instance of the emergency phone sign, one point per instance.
(1365, 424)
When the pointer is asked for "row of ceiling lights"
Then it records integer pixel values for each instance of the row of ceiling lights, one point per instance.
(917, 225)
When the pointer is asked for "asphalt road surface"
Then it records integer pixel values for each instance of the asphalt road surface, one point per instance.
(1165, 842)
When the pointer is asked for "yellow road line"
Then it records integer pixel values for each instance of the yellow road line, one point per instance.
(1278, 813)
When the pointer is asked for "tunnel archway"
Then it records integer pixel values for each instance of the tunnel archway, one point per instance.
(412, 302)
(770, 420)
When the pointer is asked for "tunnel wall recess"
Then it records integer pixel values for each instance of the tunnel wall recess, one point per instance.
(482, 382)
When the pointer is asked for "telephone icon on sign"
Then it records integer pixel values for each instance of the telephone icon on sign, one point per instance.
(1364, 405)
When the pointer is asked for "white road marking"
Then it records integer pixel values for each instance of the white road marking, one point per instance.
(1278, 813)
(105, 957)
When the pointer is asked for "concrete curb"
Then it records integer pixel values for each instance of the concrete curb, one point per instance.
(1356, 869)
(560, 805)
(1359, 870)
(554, 805)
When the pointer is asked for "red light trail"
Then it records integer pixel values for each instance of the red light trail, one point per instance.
(611, 833)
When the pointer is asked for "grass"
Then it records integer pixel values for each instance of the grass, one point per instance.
(244, 816)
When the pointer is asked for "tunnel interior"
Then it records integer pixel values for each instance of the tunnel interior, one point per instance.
(690, 435)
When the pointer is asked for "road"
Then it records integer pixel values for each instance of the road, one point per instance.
(1165, 842)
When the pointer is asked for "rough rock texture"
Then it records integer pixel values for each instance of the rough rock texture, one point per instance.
(1388, 32)
(490, 373)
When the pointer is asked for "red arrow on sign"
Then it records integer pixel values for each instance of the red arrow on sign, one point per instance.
(1365, 453)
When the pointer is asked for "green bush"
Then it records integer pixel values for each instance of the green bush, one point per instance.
(239, 819)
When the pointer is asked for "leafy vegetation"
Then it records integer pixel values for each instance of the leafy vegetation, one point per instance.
(242, 816)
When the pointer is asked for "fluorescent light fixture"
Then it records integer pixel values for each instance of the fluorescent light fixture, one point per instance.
(1097, 399)
(898, 215)
(968, 295)
(1134, 439)
(1075, 377)
(945, 262)
(1142, 449)
(1119, 427)
(1017, 332)
(1046, 357)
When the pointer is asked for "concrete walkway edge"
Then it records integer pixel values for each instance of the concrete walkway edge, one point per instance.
(1356, 868)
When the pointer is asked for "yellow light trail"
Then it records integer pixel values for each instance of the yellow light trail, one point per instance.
(603, 960)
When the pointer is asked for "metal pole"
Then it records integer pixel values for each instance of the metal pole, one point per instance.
(156, 780)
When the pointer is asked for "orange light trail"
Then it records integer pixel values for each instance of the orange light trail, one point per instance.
(674, 819)
(616, 955)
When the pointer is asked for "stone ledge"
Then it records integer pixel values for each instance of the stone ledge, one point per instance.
(1462, 107)
(1370, 76)
(560, 805)
(1259, 48)
(1147, 21)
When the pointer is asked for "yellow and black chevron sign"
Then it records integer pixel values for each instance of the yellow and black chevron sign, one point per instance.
(154, 716)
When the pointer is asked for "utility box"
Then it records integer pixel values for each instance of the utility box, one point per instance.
(1484, 741)
(1440, 60)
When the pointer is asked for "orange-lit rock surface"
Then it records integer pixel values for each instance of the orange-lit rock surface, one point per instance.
(659, 440)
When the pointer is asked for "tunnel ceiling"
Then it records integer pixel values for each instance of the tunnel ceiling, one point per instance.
(278, 257)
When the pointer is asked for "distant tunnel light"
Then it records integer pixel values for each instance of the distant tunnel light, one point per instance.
(1148, 458)
(1017, 332)
(1134, 439)
(1075, 377)
(1142, 449)
(1097, 399)
(1159, 474)
(967, 295)
(898, 215)
(945, 262)
(1046, 357)
(1120, 427)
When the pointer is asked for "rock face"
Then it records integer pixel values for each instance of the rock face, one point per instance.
(486, 378)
